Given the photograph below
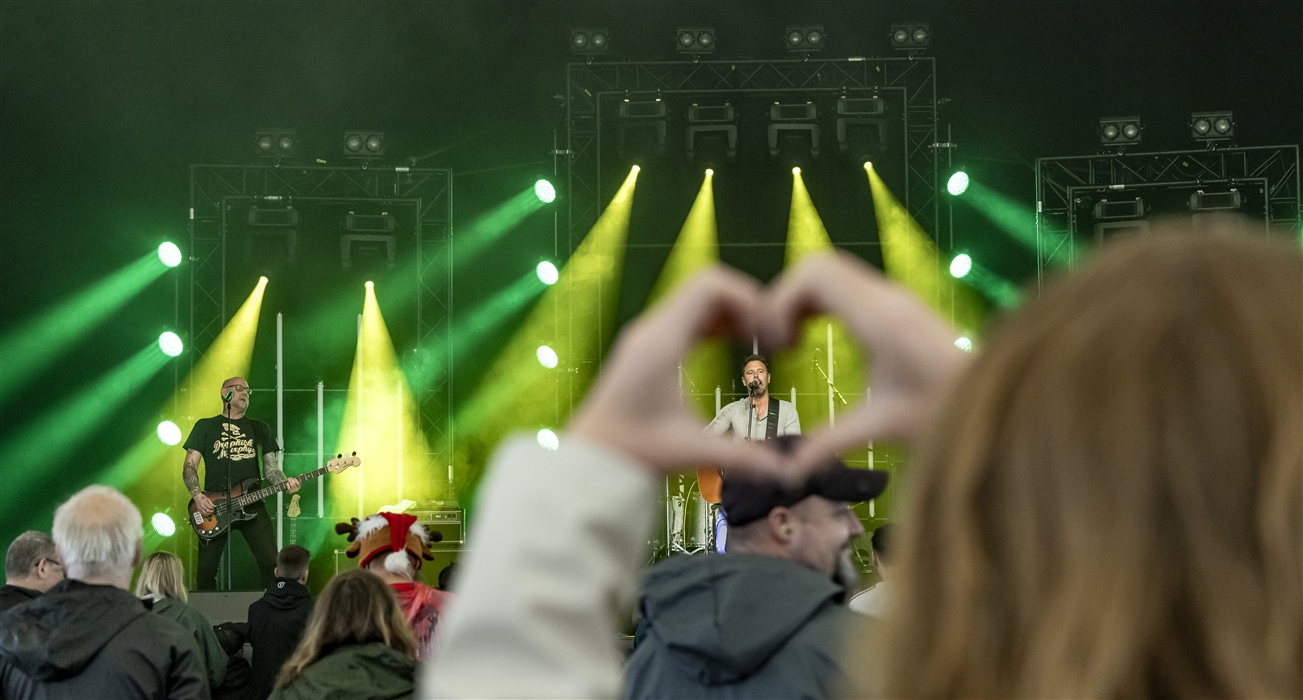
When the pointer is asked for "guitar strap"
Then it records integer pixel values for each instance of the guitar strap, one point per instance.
(771, 430)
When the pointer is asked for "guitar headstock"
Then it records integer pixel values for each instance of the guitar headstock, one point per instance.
(340, 463)
(293, 510)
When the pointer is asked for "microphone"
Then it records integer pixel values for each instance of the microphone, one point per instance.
(751, 388)
(228, 396)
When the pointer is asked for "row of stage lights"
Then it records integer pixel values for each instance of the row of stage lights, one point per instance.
(1209, 128)
(804, 39)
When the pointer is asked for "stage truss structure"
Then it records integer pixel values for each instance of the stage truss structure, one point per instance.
(589, 84)
(1061, 181)
(215, 189)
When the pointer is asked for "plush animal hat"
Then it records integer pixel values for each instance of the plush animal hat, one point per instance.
(394, 534)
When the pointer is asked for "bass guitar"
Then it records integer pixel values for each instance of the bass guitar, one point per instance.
(229, 505)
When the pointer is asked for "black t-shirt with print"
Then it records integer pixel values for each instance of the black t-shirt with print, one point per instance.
(230, 442)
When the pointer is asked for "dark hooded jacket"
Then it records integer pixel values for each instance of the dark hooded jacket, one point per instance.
(88, 641)
(358, 672)
(13, 596)
(738, 626)
(276, 623)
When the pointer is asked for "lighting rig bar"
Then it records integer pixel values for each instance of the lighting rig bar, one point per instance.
(221, 193)
(1064, 183)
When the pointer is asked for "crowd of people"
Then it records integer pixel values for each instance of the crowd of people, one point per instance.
(1105, 500)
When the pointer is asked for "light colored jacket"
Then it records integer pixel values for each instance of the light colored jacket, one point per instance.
(560, 540)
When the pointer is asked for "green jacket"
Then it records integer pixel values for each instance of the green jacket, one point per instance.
(210, 650)
(363, 672)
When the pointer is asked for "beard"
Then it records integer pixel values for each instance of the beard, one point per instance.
(846, 574)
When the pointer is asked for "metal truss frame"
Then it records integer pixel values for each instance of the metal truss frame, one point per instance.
(1059, 181)
(587, 84)
(215, 188)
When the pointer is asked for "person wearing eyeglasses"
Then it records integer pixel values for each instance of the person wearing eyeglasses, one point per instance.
(32, 567)
(229, 445)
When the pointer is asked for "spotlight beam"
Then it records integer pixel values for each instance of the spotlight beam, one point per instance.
(912, 259)
(471, 329)
(381, 422)
(807, 367)
(484, 231)
(697, 248)
(519, 393)
(35, 345)
(52, 437)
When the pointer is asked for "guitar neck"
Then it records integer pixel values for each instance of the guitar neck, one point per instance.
(255, 496)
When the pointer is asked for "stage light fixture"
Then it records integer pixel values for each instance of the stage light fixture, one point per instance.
(544, 191)
(169, 433)
(1106, 210)
(960, 266)
(910, 36)
(169, 254)
(641, 131)
(546, 356)
(1120, 131)
(163, 525)
(275, 143)
(1212, 127)
(547, 273)
(548, 439)
(861, 128)
(1215, 201)
(589, 41)
(964, 343)
(364, 144)
(696, 40)
(273, 218)
(794, 129)
(805, 39)
(711, 134)
(958, 183)
(170, 343)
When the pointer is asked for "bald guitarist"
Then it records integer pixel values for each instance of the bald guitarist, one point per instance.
(229, 445)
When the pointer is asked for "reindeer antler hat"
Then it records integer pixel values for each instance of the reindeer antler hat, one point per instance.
(387, 533)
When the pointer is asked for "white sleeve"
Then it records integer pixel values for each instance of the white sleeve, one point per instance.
(793, 424)
(558, 539)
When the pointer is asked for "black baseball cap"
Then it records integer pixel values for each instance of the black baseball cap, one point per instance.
(747, 500)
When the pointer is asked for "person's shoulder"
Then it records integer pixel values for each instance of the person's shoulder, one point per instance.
(160, 629)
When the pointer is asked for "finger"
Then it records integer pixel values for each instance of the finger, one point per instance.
(743, 457)
(716, 302)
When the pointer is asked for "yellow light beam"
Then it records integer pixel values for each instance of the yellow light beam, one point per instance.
(576, 319)
(912, 259)
(382, 425)
(696, 248)
(150, 472)
(806, 366)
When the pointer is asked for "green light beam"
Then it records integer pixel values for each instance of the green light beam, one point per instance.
(52, 438)
(995, 287)
(474, 239)
(471, 329)
(36, 344)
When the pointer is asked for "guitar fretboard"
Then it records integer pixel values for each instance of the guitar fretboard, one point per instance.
(254, 496)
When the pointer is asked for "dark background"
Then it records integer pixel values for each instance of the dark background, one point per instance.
(103, 105)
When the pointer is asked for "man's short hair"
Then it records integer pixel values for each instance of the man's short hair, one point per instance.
(25, 552)
(97, 532)
(755, 357)
(292, 561)
(882, 541)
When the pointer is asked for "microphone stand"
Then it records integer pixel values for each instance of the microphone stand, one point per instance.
(226, 413)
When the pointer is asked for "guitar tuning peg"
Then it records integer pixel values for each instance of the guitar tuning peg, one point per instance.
(354, 453)
(339, 455)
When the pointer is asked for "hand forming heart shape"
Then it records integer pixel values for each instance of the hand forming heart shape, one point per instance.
(636, 408)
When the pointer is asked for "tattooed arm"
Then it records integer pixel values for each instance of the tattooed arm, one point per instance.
(190, 474)
(271, 466)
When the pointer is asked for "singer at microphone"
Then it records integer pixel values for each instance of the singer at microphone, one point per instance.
(758, 416)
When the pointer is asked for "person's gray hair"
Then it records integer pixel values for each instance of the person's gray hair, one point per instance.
(97, 531)
(25, 552)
